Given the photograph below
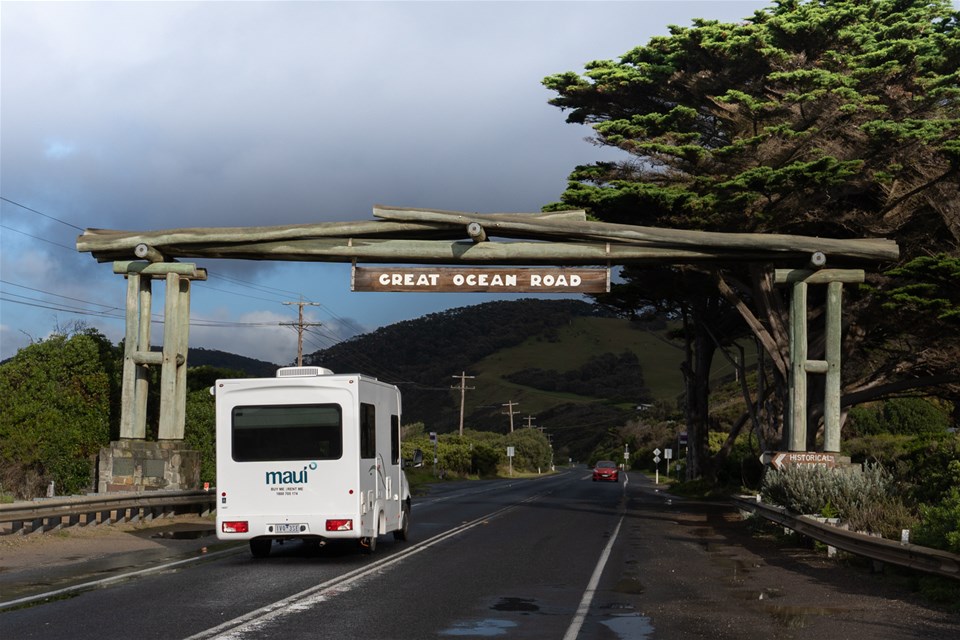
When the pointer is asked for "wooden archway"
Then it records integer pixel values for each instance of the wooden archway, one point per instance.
(420, 236)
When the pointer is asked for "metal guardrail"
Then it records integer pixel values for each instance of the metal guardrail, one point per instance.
(914, 556)
(53, 514)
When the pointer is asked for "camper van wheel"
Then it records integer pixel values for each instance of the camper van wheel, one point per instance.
(401, 533)
(368, 545)
(260, 547)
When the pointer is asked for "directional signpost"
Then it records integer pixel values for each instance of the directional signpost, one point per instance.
(656, 461)
(782, 459)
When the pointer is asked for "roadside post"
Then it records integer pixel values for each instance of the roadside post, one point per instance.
(433, 439)
(681, 443)
(668, 454)
(626, 457)
(656, 461)
(510, 452)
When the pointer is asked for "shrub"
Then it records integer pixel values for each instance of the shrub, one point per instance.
(940, 523)
(866, 500)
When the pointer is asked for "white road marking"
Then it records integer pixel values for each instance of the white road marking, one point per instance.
(574, 629)
(118, 578)
(306, 599)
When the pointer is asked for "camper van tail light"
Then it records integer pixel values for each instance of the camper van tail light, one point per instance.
(340, 525)
(236, 526)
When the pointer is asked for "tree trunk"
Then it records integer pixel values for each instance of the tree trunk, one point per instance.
(700, 349)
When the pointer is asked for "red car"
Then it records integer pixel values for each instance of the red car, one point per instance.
(606, 470)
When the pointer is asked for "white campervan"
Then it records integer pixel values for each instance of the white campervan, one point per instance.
(311, 455)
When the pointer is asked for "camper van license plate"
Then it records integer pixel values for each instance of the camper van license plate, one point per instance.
(287, 528)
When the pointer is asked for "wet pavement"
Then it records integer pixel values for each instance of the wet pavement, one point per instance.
(56, 561)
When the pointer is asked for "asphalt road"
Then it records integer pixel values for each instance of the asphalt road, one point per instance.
(555, 557)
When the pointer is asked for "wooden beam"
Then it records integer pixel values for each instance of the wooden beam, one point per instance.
(100, 240)
(436, 251)
(864, 248)
(823, 276)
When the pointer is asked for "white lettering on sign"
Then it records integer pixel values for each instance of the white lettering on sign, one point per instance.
(544, 280)
(538, 280)
(485, 280)
(409, 279)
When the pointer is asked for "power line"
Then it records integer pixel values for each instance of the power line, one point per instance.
(261, 287)
(40, 213)
(37, 237)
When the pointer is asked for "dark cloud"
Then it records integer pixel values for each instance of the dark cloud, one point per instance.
(162, 115)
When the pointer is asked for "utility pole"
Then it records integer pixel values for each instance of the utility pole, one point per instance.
(463, 393)
(530, 420)
(510, 412)
(300, 325)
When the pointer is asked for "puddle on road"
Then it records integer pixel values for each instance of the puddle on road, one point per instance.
(488, 628)
(630, 627)
(184, 533)
(491, 627)
(524, 605)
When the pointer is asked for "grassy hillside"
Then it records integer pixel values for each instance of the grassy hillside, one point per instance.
(549, 345)
(574, 344)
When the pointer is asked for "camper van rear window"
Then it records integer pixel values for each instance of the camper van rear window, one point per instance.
(287, 432)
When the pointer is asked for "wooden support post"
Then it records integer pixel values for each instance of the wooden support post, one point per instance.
(168, 370)
(133, 418)
(137, 355)
(183, 323)
(142, 381)
(797, 424)
(796, 432)
(831, 408)
(128, 388)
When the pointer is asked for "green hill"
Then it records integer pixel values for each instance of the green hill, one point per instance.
(564, 365)
(570, 365)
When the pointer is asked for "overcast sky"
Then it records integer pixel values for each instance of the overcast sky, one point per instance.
(159, 115)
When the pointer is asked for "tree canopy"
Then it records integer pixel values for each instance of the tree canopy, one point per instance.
(55, 398)
(837, 118)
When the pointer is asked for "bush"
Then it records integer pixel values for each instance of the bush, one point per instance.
(903, 416)
(200, 432)
(940, 523)
(866, 500)
(55, 399)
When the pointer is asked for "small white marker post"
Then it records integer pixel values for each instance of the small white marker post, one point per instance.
(668, 454)
(510, 452)
(656, 460)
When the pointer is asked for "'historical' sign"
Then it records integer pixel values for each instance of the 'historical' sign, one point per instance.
(481, 280)
(780, 459)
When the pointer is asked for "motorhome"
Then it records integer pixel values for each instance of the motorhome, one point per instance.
(312, 455)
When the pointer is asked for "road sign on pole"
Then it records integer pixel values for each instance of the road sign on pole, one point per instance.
(782, 459)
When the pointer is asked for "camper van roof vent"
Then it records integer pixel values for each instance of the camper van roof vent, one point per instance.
(302, 372)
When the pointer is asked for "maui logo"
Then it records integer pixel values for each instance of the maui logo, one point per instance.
(289, 477)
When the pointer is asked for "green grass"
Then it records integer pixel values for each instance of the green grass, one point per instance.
(576, 343)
